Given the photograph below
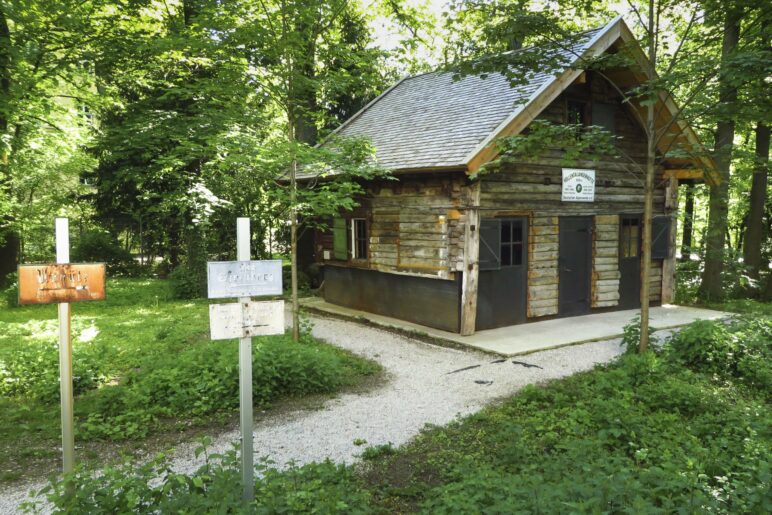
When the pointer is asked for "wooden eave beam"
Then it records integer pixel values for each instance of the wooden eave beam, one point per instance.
(683, 173)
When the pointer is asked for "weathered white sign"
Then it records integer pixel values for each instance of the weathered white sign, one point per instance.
(246, 319)
(578, 185)
(227, 279)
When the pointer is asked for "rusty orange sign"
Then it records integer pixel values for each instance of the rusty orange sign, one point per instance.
(55, 283)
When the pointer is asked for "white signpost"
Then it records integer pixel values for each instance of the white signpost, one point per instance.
(578, 185)
(65, 354)
(227, 279)
(228, 321)
(243, 320)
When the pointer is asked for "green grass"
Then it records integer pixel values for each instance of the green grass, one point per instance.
(144, 367)
(687, 430)
(746, 306)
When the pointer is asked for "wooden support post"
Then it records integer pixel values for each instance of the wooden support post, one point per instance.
(245, 376)
(471, 261)
(669, 264)
(65, 355)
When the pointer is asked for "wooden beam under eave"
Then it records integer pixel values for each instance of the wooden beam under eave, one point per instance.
(684, 173)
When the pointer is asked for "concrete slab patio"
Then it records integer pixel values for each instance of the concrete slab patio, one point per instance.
(533, 336)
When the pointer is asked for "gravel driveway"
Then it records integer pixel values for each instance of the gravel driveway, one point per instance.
(424, 385)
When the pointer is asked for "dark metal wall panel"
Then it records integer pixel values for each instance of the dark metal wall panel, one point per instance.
(430, 302)
(502, 294)
(575, 264)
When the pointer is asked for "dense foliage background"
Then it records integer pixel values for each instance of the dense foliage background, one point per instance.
(152, 124)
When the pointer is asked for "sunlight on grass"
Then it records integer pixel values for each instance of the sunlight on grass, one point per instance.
(143, 364)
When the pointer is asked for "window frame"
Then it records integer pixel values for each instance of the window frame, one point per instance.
(583, 111)
(625, 242)
(355, 239)
(512, 245)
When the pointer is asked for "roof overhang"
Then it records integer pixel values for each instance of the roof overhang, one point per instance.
(696, 167)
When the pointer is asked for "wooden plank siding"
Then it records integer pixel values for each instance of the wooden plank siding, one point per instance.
(416, 225)
(534, 189)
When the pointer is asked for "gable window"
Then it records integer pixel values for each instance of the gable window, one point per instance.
(576, 112)
(603, 116)
(358, 238)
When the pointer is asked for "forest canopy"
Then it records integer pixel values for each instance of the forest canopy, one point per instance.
(153, 124)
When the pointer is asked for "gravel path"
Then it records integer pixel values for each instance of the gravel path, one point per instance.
(421, 388)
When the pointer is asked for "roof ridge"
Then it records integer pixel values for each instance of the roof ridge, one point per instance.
(506, 52)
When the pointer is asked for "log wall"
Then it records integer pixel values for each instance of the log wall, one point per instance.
(416, 225)
(533, 189)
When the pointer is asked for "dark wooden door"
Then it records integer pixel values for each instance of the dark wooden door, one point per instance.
(630, 261)
(503, 281)
(575, 265)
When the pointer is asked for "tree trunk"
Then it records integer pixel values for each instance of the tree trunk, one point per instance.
(754, 233)
(648, 192)
(294, 243)
(9, 239)
(686, 236)
(711, 287)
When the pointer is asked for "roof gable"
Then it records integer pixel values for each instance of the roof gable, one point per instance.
(430, 121)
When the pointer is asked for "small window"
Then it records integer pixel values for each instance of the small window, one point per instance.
(576, 112)
(603, 116)
(630, 238)
(511, 242)
(358, 238)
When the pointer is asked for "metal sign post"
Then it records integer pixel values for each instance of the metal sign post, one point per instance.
(243, 320)
(245, 375)
(62, 283)
(65, 354)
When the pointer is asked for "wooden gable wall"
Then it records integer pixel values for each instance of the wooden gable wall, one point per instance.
(534, 190)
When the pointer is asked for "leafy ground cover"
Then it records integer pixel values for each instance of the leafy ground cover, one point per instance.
(143, 366)
(684, 430)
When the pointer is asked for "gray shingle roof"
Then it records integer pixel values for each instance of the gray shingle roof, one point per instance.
(430, 120)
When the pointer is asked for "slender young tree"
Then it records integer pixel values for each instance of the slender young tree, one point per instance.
(286, 42)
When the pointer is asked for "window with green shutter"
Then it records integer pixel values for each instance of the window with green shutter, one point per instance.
(339, 239)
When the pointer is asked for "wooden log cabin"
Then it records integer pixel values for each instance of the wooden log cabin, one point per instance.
(444, 249)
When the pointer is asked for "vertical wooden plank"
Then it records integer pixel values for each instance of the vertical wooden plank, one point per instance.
(471, 261)
(669, 264)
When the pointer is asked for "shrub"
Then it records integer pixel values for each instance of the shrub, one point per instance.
(32, 371)
(185, 283)
(11, 292)
(101, 246)
(215, 488)
(740, 349)
(631, 335)
(203, 381)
